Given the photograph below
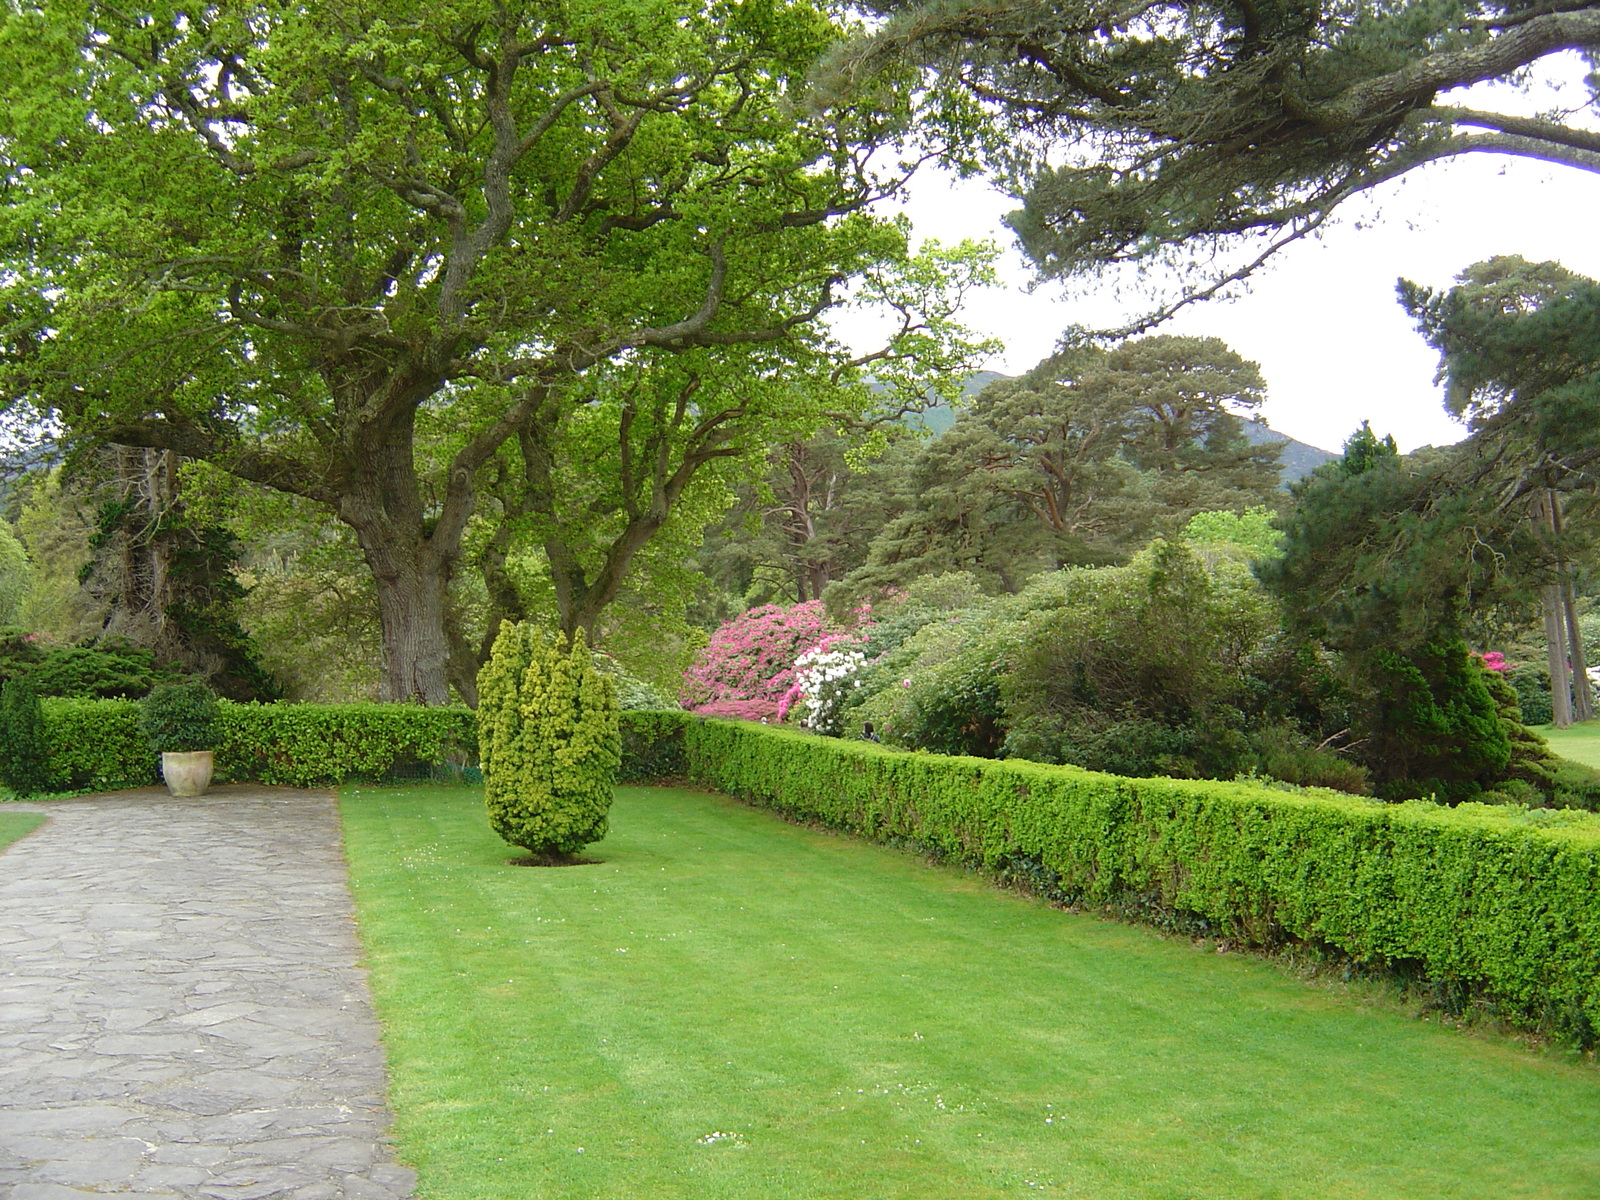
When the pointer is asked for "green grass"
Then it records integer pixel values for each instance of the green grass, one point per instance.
(729, 1006)
(1581, 742)
(14, 825)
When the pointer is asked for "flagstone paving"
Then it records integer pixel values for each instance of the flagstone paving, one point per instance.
(181, 1009)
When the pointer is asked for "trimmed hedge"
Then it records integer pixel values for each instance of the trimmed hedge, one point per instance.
(300, 745)
(652, 745)
(1493, 905)
(97, 745)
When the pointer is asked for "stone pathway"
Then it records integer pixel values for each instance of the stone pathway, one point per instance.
(181, 1013)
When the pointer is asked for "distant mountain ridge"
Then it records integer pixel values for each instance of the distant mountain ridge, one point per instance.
(1298, 458)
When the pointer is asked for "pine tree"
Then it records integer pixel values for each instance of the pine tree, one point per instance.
(550, 744)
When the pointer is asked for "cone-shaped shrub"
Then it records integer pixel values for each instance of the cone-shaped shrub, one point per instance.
(548, 742)
(23, 754)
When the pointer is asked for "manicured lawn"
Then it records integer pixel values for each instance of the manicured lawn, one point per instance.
(14, 825)
(729, 1006)
(1580, 743)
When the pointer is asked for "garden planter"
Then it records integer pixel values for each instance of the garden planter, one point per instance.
(187, 772)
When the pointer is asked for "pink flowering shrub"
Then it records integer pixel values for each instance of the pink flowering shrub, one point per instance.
(748, 666)
(1495, 661)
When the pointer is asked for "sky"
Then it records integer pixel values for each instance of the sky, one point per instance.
(1322, 320)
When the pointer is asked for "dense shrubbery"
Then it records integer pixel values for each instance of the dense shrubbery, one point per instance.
(113, 667)
(748, 666)
(23, 745)
(179, 717)
(1494, 906)
(652, 746)
(1531, 682)
(1173, 665)
(550, 746)
(1177, 664)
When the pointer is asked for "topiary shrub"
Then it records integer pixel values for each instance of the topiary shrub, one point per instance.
(24, 753)
(548, 743)
(180, 717)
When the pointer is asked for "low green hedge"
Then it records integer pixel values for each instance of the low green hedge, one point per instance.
(1492, 906)
(652, 745)
(97, 745)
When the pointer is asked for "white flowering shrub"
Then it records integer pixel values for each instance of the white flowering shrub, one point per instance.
(823, 677)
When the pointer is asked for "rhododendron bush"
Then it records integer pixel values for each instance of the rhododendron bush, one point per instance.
(748, 666)
(824, 677)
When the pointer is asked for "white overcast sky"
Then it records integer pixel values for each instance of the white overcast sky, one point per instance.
(1323, 323)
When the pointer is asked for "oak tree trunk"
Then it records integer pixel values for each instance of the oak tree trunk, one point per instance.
(411, 584)
(411, 560)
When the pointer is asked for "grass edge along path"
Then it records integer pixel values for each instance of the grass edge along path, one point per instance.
(15, 825)
(728, 1006)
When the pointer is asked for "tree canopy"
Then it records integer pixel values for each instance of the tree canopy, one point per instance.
(1079, 461)
(1226, 125)
(294, 241)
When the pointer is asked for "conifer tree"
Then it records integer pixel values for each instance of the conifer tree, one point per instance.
(550, 743)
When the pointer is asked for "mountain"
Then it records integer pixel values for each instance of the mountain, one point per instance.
(1298, 459)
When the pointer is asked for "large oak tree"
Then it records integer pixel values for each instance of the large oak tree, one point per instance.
(287, 239)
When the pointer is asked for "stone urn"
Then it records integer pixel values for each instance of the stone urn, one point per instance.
(187, 772)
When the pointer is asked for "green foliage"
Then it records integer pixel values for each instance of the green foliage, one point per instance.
(16, 575)
(21, 650)
(1364, 451)
(180, 717)
(1492, 905)
(1203, 135)
(1080, 461)
(612, 255)
(1145, 669)
(1434, 728)
(633, 693)
(1250, 533)
(652, 745)
(99, 745)
(55, 528)
(114, 667)
(310, 606)
(307, 745)
(551, 746)
(1531, 682)
(23, 739)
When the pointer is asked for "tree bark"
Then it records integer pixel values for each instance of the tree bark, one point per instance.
(411, 558)
(1582, 699)
(1556, 648)
(411, 606)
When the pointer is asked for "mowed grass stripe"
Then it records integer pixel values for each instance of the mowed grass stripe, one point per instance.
(730, 1006)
